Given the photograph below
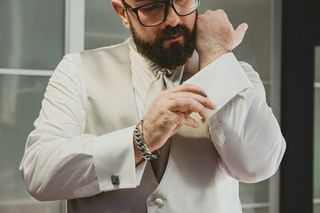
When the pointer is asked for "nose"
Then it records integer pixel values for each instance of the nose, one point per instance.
(172, 17)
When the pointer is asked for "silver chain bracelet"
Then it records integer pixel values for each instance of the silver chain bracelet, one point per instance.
(141, 145)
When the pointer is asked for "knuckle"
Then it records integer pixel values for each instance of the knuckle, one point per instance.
(188, 104)
(180, 120)
(162, 112)
(185, 86)
(167, 118)
(220, 11)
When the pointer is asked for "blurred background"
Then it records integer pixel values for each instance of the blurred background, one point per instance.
(36, 34)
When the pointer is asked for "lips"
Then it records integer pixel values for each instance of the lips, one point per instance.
(174, 37)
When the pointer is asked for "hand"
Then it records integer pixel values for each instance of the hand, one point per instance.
(216, 36)
(170, 111)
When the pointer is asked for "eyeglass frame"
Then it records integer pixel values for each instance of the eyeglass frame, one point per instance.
(167, 4)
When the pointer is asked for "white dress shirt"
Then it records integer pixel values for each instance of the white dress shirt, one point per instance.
(246, 121)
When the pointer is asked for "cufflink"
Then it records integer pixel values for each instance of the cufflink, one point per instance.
(115, 180)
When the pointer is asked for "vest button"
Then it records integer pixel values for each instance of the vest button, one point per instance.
(159, 202)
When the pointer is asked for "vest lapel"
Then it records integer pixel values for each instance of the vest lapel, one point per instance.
(111, 101)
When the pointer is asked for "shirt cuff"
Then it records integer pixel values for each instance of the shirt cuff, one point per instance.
(222, 80)
(114, 161)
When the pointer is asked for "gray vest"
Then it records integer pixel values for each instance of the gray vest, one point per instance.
(193, 178)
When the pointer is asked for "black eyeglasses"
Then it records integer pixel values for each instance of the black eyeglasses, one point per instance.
(155, 13)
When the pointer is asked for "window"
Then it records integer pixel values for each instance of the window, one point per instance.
(32, 43)
(31, 34)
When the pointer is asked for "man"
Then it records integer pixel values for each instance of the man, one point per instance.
(108, 139)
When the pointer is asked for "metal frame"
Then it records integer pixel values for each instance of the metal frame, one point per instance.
(274, 184)
(74, 35)
(25, 72)
(316, 85)
(74, 41)
(74, 25)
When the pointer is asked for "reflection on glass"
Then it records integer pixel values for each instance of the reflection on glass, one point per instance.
(256, 47)
(256, 210)
(102, 26)
(20, 102)
(267, 88)
(31, 33)
(316, 208)
(317, 51)
(254, 193)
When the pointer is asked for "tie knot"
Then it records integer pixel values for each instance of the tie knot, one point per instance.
(162, 72)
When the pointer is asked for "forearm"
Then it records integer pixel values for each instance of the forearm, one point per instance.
(243, 128)
(56, 168)
(251, 144)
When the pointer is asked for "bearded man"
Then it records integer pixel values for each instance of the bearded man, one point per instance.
(167, 121)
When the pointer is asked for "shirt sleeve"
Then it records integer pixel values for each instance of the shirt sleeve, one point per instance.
(243, 128)
(60, 161)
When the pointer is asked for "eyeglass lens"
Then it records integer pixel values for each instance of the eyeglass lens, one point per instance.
(154, 13)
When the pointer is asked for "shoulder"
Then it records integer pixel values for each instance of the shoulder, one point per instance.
(118, 52)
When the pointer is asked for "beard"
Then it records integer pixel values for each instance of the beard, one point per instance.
(175, 54)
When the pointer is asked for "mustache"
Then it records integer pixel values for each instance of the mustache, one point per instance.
(170, 31)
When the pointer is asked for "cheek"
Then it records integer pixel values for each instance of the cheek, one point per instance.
(191, 21)
(147, 34)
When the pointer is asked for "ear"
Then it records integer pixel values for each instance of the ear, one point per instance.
(121, 12)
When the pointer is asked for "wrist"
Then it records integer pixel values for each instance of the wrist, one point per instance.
(140, 144)
(137, 156)
(207, 58)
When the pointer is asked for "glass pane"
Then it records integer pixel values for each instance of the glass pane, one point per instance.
(31, 33)
(317, 145)
(267, 88)
(102, 25)
(318, 64)
(30, 207)
(256, 47)
(20, 102)
(256, 210)
(254, 193)
(316, 208)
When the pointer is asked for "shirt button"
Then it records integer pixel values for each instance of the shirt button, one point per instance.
(159, 202)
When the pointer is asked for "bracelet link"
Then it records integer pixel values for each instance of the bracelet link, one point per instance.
(141, 145)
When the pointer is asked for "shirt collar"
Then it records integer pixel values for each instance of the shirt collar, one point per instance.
(140, 63)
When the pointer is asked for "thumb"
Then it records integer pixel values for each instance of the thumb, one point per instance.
(239, 34)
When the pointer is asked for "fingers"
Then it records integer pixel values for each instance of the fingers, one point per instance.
(189, 121)
(188, 88)
(183, 105)
(184, 119)
(239, 34)
(188, 98)
(199, 98)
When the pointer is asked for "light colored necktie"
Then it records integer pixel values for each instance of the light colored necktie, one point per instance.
(161, 82)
